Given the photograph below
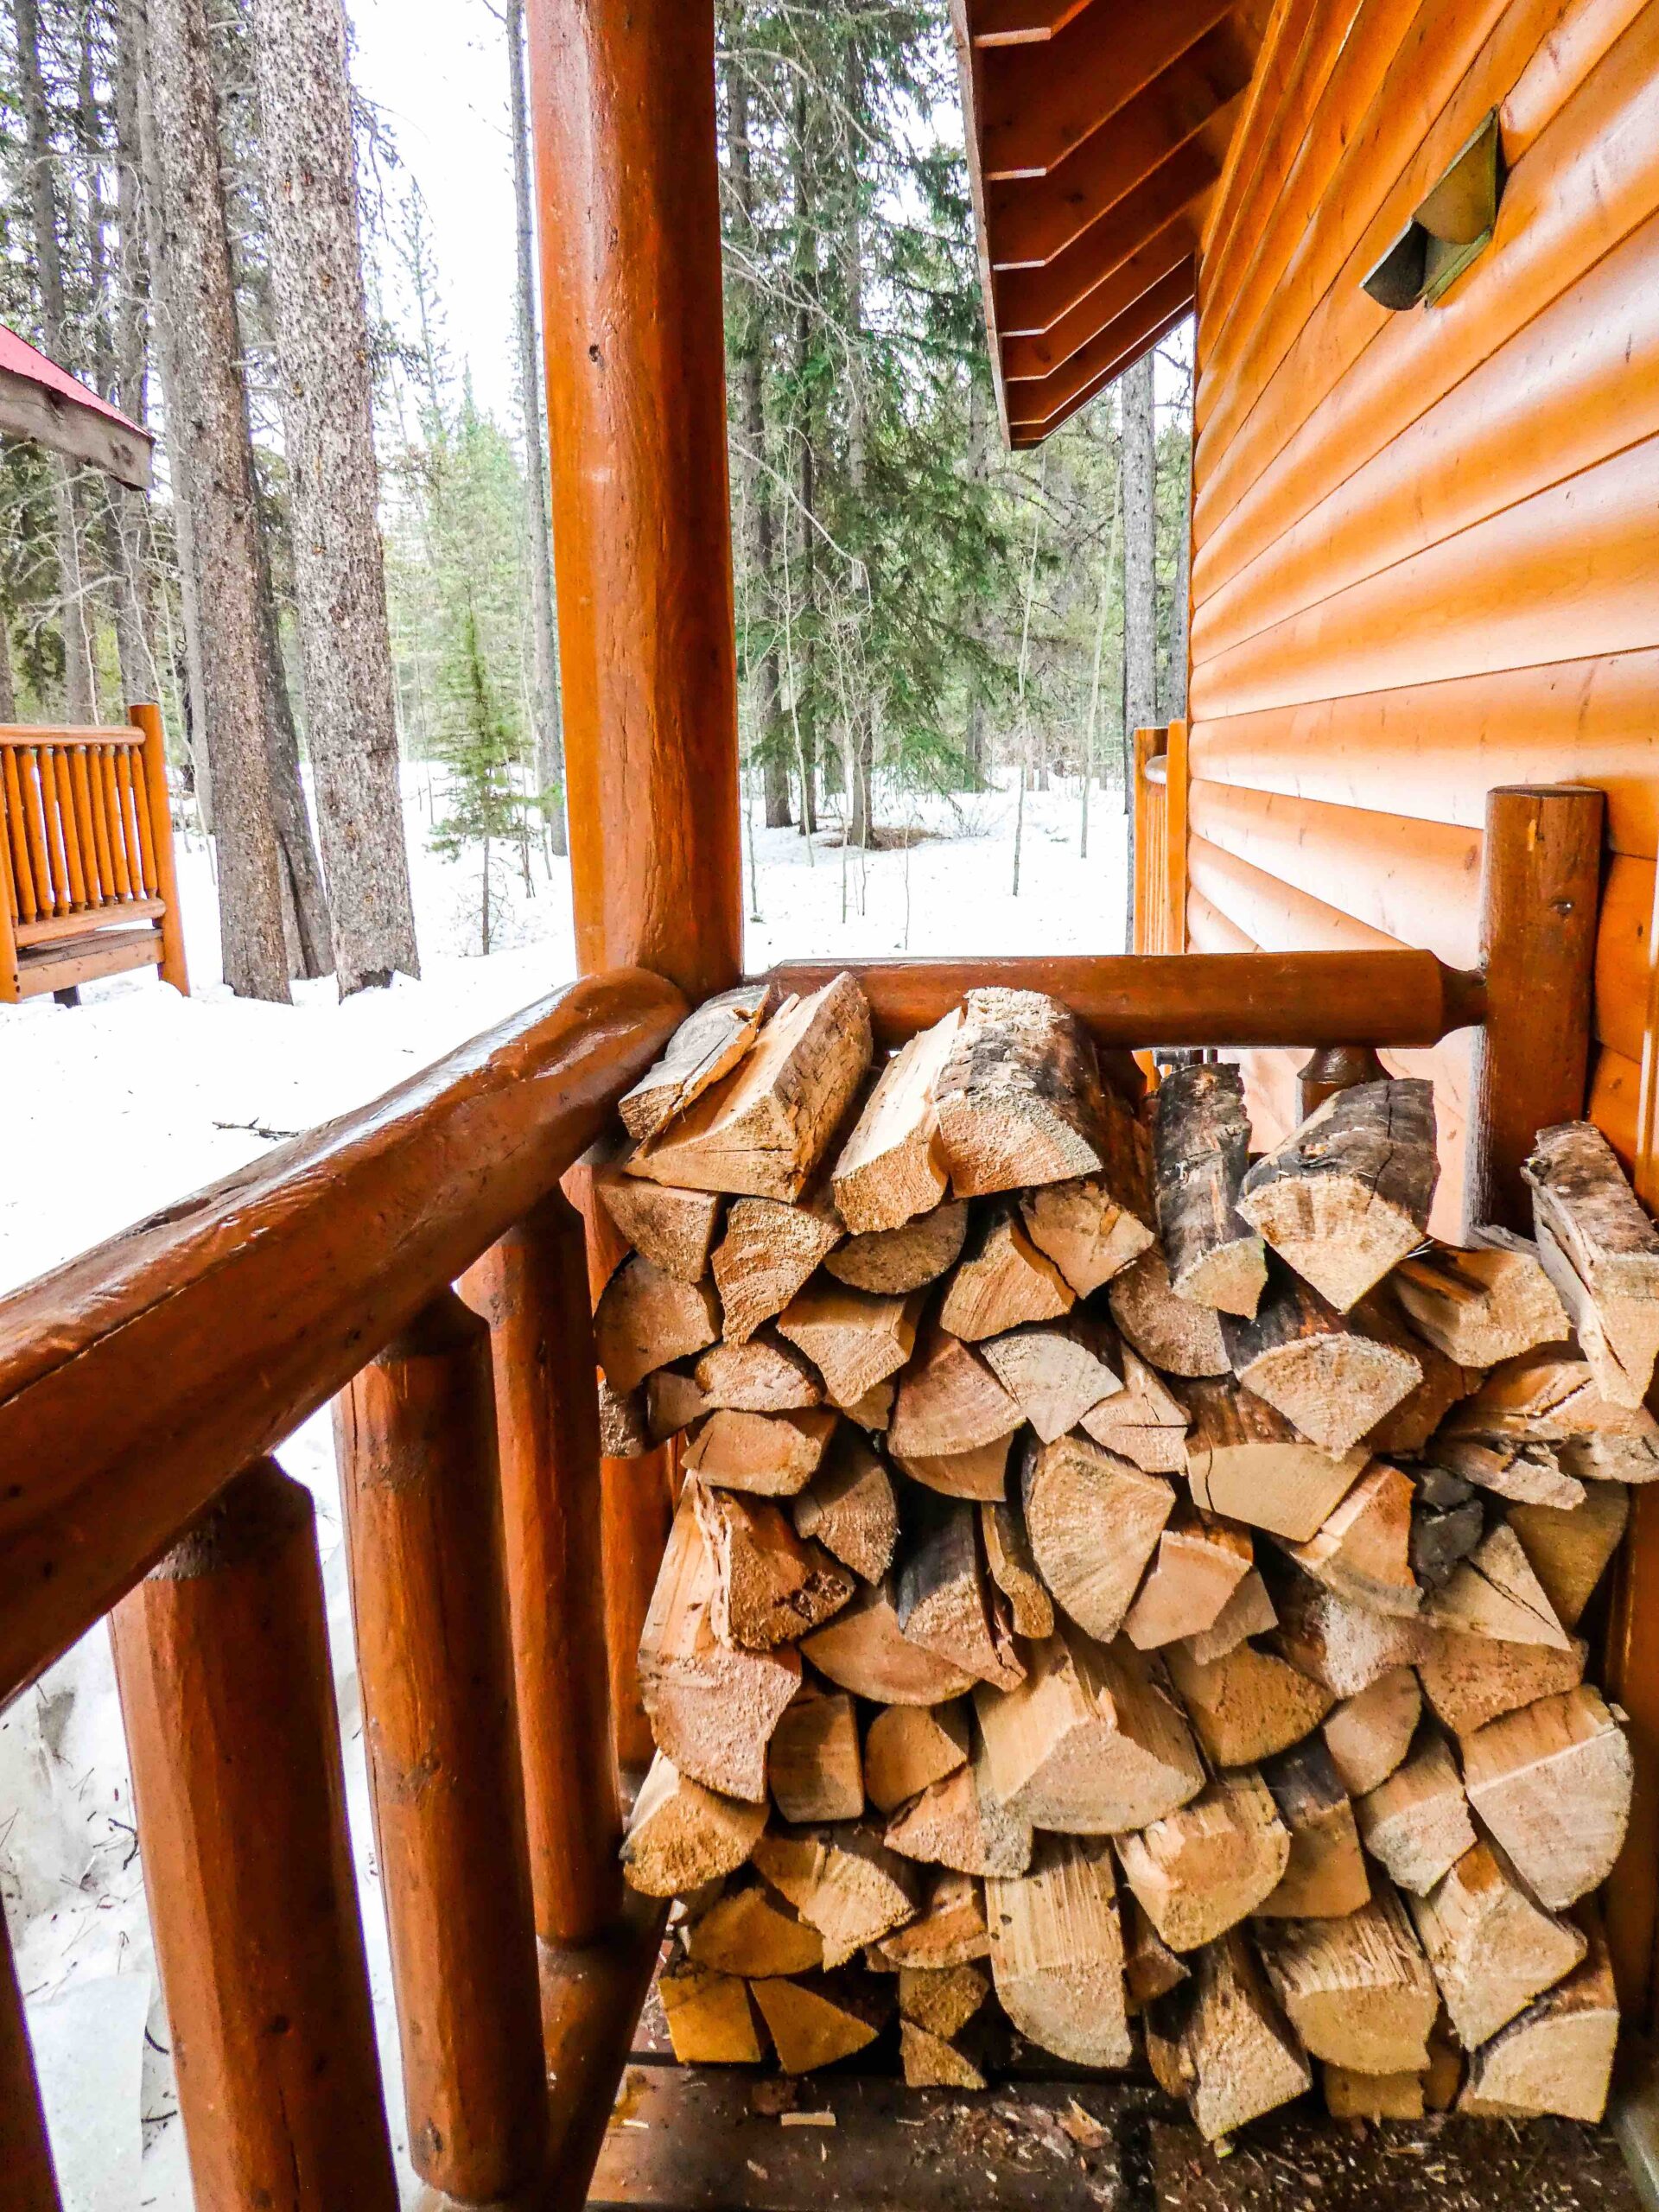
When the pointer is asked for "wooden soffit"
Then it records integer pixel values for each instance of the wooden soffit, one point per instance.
(49, 407)
(1096, 131)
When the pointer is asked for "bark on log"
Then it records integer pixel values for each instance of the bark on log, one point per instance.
(1018, 1095)
(1201, 1144)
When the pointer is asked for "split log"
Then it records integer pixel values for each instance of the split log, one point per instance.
(746, 1931)
(1324, 1875)
(1201, 1143)
(1349, 2095)
(712, 1708)
(959, 1823)
(874, 1410)
(1013, 1567)
(1091, 1743)
(707, 1045)
(1342, 1646)
(1364, 1551)
(710, 2018)
(1531, 1474)
(1057, 1951)
(1416, 1824)
(1093, 1524)
(674, 1229)
(1144, 1422)
(1018, 1096)
(1471, 1680)
(1237, 2053)
(932, 2062)
(1001, 1281)
(1150, 1968)
(766, 1255)
(760, 1377)
(770, 1455)
(1245, 1462)
(1553, 1783)
(910, 1747)
(1553, 1397)
(762, 1130)
(1447, 1521)
(854, 1339)
(949, 1401)
(1248, 1611)
(1484, 1305)
(1491, 1947)
(1089, 1232)
(981, 1474)
(842, 1881)
(814, 1765)
(1569, 1551)
(1601, 1253)
(624, 1423)
(850, 1508)
(1358, 1990)
(942, 1601)
(1347, 1195)
(895, 1261)
(1249, 1705)
(1330, 1379)
(682, 1834)
(949, 1929)
(1495, 1592)
(1172, 1333)
(769, 1586)
(864, 1650)
(645, 1318)
(820, 2017)
(673, 1402)
(1203, 1868)
(1200, 1562)
(1404, 1430)
(942, 1999)
(1055, 1371)
(892, 1167)
(1368, 1736)
(1556, 2057)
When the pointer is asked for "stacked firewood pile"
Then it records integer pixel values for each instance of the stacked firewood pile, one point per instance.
(1118, 1583)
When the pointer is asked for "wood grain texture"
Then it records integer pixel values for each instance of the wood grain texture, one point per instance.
(25, 2154)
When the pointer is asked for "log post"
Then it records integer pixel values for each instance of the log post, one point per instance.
(1175, 791)
(227, 1693)
(1333, 1068)
(532, 1287)
(25, 2154)
(147, 718)
(415, 1435)
(1540, 880)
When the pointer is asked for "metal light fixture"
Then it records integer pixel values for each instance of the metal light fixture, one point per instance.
(1449, 227)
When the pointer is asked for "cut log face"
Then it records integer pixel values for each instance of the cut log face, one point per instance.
(746, 1931)
(1495, 1592)
(1601, 1253)
(760, 1377)
(645, 1318)
(959, 1823)
(712, 1708)
(769, 1586)
(949, 1401)
(1018, 1096)
(1057, 1951)
(1236, 2052)
(1405, 1428)
(673, 1402)
(1001, 1281)
(1364, 1551)
(814, 1765)
(1326, 1875)
(1349, 2095)
(1484, 1305)
(674, 1229)
(711, 2020)
(762, 1130)
(864, 1650)
(1358, 1990)
(842, 1881)
(895, 1261)
(771, 1455)
(1557, 2056)
(1091, 1743)
(768, 1251)
(1245, 1462)
(1013, 1567)
(850, 1508)
(942, 1999)
(1569, 1551)
(949, 1929)
(981, 1474)
(1200, 1562)
(682, 1834)
(1054, 1371)
(890, 1168)
(707, 1045)
(1342, 1645)
(932, 2061)
(1348, 1194)
(1249, 1705)
(1368, 1736)
(854, 1339)
(910, 1747)
(1333, 1383)
(1416, 1824)
(1531, 1474)
(1553, 1397)
(1089, 1230)
(820, 2017)
(1553, 1783)
(1172, 1333)
(1470, 1680)
(1202, 1869)
(1144, 1422)
(1201, 1141)
(1150, 1968)
(942, 1598)
(1094, 1523)
(1491, 1947)
(1248, 1611)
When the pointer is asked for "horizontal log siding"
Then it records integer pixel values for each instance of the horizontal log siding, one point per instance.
(1425, 560)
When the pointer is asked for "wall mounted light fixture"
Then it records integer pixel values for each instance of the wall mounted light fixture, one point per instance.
(1449, 228)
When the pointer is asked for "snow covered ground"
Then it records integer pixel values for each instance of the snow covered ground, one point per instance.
(138, 1096)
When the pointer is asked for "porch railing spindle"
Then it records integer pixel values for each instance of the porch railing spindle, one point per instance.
(27, 2180)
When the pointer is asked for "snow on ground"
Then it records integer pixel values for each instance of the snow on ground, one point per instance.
(138, 1096)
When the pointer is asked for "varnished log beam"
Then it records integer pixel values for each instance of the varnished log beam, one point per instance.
(25, 2154)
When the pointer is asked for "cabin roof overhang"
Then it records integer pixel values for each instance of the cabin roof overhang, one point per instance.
(1096, 132)
(45, 404)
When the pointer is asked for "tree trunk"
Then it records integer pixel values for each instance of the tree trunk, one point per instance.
(860, 750)
(549, 739)
(8, 683)
(129, 510)
(1180, 611)
(312, 953)
(323, 342)
(806, 268)
(208, 440)
(978, 469)
(1139, 601)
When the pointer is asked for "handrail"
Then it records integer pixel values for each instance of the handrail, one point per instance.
(138, 1378)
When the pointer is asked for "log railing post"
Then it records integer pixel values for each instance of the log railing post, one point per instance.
(1175, 789)
(416, 1436)
(147, 718)
(532, 1287)
(227, 1693)
(27, 2180)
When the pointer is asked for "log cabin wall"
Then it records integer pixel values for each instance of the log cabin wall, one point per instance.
(1425, 560)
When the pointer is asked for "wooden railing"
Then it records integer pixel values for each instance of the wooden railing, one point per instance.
(87, 883)
(1159, 855)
